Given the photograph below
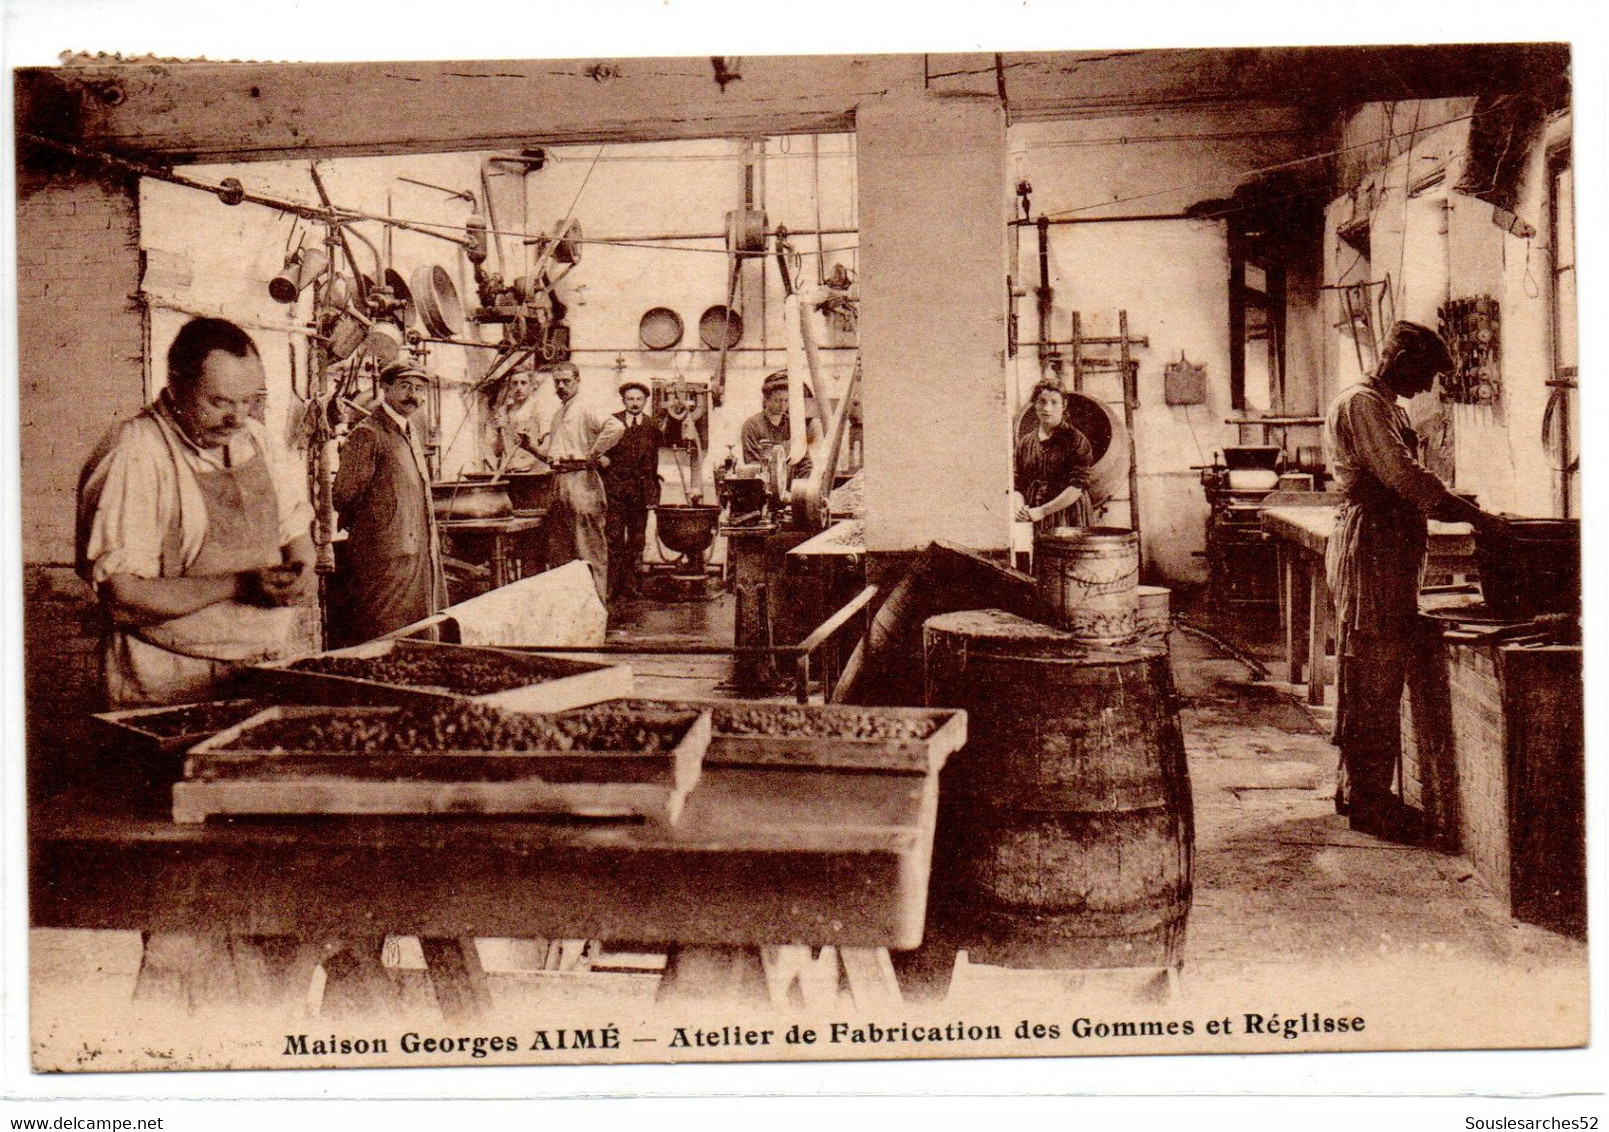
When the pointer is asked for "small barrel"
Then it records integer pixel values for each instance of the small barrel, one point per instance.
(1089, 574)
(1153, 615)
(1066, 834)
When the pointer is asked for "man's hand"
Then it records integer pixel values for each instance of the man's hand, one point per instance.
(602, 461)
(271, 586)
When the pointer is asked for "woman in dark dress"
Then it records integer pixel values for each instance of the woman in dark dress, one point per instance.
(1052, 466)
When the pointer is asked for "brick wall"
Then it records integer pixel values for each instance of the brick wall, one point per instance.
(61, 677)
(1480, 762)
(80, 340)
(80, 344)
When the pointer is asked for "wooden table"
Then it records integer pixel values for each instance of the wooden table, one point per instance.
(779, 859)
(1306, 606)
(505, 561)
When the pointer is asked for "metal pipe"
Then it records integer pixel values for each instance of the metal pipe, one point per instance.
(662, 237)
(297, 208)
(1045, 295)
(1018, 222)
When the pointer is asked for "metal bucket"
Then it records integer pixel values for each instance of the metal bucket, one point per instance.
(1066, 833)
(1089, 574)
(1531, 567)
(1153, 615)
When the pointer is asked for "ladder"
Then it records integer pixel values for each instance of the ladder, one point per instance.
(1071, 355)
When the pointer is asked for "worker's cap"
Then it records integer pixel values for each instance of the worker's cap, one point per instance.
(635, 384)
(1412, 340)
(398, 370)
(774, 382)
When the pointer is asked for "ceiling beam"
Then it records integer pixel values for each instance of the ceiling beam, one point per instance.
(211, 112)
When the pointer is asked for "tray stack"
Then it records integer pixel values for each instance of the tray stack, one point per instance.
(403, 672)
(826, 737)
(446, 758)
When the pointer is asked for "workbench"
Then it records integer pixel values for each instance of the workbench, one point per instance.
(780, 859)
(1306, 606)
(505, 561)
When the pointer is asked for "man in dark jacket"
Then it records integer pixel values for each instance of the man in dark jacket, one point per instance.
(1374, 561)
(632, 482)
(388, 571)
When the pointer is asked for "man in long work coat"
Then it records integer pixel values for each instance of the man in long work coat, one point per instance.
(1374, 561)
(388, 571)
(632, 482)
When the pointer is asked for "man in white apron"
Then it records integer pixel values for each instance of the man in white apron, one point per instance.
(193, 530)
(576, 445)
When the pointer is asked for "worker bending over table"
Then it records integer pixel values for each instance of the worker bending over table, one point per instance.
(1373, 565)
(193, 529)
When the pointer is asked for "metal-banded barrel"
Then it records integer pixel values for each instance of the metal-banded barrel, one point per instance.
(1066, 834)
(1153, 615)
(1089, 574)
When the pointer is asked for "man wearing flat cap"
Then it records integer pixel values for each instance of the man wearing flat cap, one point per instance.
(770, 427)
(388, 571)
(632, 483)
(1374, 561)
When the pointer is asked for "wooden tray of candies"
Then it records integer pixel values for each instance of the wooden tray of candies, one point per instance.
(397, 672)
(175, 729)
(446, 758)
(888, 740)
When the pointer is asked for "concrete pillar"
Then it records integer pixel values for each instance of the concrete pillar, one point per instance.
(934, 200)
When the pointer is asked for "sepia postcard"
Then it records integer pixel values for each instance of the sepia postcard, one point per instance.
(786, 557)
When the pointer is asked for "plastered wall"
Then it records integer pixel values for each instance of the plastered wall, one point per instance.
(1434, 244)
(1171, 276)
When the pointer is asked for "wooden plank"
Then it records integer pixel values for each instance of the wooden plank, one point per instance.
(870, 974)
(457, 978)
(698, 975)
(1318, 634)
(782, 847)
(197, 801)
(1293, 611)
(814, 973)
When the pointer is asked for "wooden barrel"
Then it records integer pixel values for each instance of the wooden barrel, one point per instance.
(1153, 615)
(1089, 575)
(1066, 833)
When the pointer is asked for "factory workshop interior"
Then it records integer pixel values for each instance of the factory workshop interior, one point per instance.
(724, 380)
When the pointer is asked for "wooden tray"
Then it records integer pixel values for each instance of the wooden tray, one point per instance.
(142, 724)
(731, 744)
(573, 683)
(220, 778)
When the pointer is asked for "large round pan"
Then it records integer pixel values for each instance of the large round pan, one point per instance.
(437, 298)
(404, 295)
(660, 329)
(718, 322)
